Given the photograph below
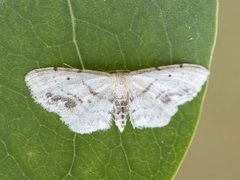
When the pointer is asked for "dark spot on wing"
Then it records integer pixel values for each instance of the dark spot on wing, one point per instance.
(158, 68)
(48, 94)
(122, 116)
(122, 122)
(56, 98)
(80, 100)
(70, 103)
(68, 78)
(55, 68)
(75, 97)
(93, 93)
(169, 75)
(180, 65)
(79, 70)
(166, 99)
(187, 91)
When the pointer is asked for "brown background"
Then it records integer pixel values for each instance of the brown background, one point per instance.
(215, 151)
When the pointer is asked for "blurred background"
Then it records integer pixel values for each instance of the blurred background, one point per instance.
(215, 151)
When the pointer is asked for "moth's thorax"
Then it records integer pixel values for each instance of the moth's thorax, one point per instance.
(121, 102)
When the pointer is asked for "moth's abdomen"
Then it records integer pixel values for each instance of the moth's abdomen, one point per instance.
(121, 112)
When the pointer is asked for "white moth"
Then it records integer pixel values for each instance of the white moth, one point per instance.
(87, 100)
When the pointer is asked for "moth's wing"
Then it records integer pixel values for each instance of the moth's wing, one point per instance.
(83, 99)
(155, 94)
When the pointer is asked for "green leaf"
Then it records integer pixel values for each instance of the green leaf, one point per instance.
(106, 35)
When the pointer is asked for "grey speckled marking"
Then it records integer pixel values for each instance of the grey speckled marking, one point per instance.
(94, 93)
(48, 94)
(166, 99)
(70, 103)
(75, 97)
(187, 91)
(147, 88)
(56, 98)
(121, 111)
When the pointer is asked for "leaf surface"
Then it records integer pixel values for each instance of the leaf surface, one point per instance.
(100, 35)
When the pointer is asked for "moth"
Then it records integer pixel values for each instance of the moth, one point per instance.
(88, 101)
